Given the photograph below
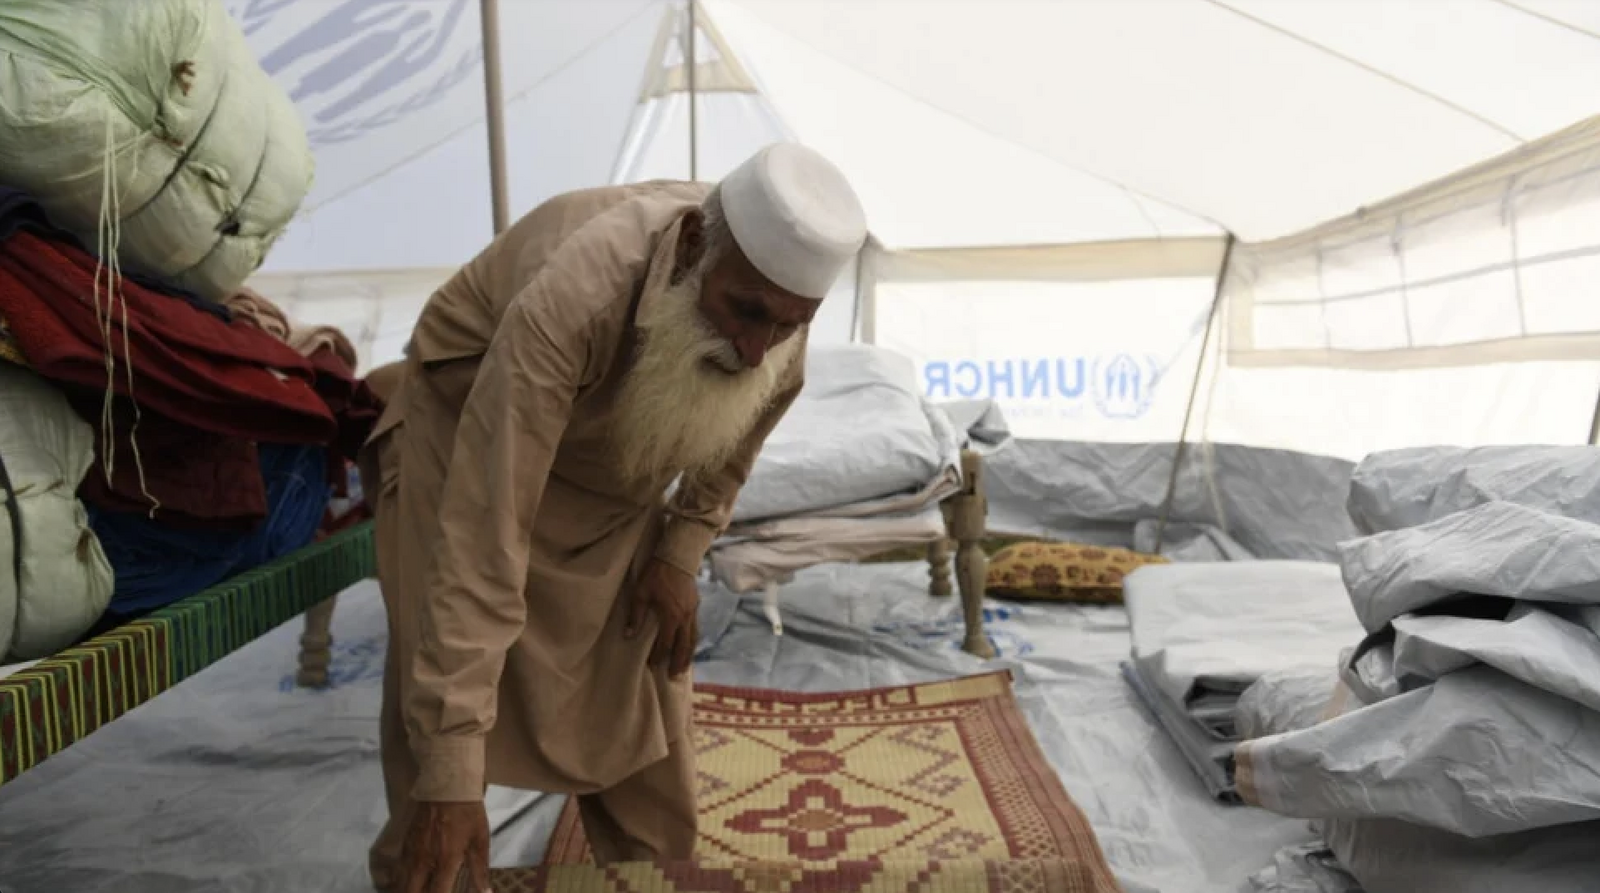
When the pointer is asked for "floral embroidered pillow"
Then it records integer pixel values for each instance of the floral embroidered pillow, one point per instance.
(1066, 572)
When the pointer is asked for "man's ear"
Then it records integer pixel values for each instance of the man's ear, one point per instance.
(691, 245)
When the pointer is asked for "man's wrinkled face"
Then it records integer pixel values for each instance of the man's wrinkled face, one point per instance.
(740, 305)
(714, 344)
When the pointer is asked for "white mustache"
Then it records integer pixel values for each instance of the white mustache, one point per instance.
(725, 355)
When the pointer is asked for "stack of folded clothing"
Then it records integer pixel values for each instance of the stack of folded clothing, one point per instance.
(219, 432)
(1204, 632)
(160, 429)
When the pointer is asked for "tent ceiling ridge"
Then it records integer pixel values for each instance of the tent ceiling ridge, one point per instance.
(1558, 148)
(1546, 17)
(1048, 159)
(1392, 78)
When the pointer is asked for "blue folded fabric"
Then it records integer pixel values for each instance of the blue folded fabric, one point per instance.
(156, 565)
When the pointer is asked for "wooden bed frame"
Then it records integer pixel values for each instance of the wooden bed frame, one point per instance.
(50, 706)
(965, 517)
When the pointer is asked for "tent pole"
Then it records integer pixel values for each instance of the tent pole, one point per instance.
(694, 102)
(1194, 391)
(489, 13)
(1594, 424)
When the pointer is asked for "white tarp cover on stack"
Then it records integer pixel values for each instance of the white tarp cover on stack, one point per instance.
(173, 152)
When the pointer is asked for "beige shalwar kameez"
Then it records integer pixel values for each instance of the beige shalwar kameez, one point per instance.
(505, 537)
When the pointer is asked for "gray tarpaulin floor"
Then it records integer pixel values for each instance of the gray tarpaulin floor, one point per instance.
(237, 781)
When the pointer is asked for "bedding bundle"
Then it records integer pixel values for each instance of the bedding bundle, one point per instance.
(154, 121)
(1459, 748)
(164, 427)
(1205, 632)
(188, 446)
(857, 466)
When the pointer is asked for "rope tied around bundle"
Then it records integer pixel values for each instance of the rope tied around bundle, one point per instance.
(108, 245)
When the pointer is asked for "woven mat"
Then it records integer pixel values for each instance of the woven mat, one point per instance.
(54, 703)
(925, 876)
(937, 787)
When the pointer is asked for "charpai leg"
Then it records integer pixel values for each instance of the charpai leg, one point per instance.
(966, 515)
(769, 607)
(939, 566)
(316, 645)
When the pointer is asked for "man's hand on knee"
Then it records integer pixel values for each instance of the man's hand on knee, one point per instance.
(672, 596)
(444, 839)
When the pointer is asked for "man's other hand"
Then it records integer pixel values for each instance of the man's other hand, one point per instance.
(674, 598)
(444, 839)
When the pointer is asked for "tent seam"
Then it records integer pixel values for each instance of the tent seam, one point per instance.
(1374, 70)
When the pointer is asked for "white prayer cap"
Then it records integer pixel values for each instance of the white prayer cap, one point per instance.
(795, 217)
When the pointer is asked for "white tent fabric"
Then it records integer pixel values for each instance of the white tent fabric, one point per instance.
(1048, 185)
(1266, 116)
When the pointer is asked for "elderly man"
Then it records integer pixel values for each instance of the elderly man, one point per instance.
(540, 586)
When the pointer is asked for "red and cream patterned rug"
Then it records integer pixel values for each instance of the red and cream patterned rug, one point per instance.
(935, 788)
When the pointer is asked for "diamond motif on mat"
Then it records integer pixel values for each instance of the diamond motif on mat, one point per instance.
(940, 785)
(852, 773)
(927, 739)
(816, 822)
(709, 785)
(1022, 877)
(811, 737)
(710, 738)
(956, 843)
(769, 877)
(930, 790)
(1030, 834)
(812, 762)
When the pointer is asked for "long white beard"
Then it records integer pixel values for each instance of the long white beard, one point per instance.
(676, 414)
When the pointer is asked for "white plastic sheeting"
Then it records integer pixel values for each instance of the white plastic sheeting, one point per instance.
(247, 783)
(1463, 750)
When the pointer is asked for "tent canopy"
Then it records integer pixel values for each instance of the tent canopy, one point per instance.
(1048, 183)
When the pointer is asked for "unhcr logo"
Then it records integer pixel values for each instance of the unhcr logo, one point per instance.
(356, 66)
(1123, 387)
(1119, 386)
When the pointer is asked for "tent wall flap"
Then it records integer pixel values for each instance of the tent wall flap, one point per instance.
(1495, 264)
(1178, 258)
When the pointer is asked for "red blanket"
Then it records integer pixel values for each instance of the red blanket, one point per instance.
(188, 365)
(201, 480)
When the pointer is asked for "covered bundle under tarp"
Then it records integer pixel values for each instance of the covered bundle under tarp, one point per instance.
(156, 119)
(54, 577)
(1462, 748)
(857, 467)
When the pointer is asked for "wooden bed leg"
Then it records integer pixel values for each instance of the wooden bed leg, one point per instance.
(939, 567)
(769, 607)
(967, 520)
(316, 645)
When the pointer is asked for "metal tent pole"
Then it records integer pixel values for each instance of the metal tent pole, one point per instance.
(1194, 391)
(694, 102)
(489, 12)
(1594, 424)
